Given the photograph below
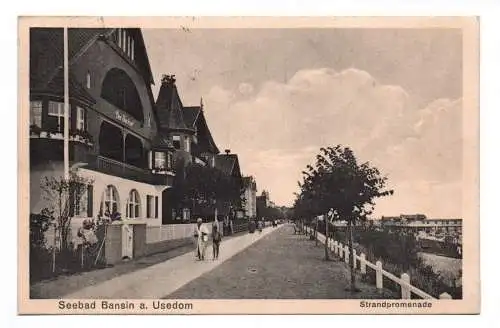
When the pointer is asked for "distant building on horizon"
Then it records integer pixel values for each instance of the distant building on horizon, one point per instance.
(250, 196)
(420, 222)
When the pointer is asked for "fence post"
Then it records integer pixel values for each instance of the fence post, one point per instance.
(379, 275)
(354, 259)
(346, 251)
(362, 263)
(445, 296)
(405, 291)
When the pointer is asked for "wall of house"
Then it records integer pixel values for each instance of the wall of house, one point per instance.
(124, 186)
(97, 60)
(165, 232)
(250, 202)
(113, 244)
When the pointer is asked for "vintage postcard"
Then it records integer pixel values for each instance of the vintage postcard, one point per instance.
(248, 165)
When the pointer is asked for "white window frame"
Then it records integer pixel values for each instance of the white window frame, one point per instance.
(38, 106)
(109, 198)
(169, 160)
(80, 208)
(129, 47)
(80, 119)
(88, 80)
(133, 205)
(177, 138)
(119, 32)
(160, 160)
(132, 51)
(124, 40)
(59, 114)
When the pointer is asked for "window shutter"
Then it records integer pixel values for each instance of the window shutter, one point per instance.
(148, 206)
(90, 202)
(156, 207)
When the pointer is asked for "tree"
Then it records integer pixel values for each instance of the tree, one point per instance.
(203, 187)
(338, 182)
(63, 195)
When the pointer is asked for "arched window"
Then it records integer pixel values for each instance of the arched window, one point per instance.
(133, 205)
(119, 90)
(110, 202)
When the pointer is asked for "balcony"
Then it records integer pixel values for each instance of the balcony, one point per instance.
(82, 137)
(116, 168)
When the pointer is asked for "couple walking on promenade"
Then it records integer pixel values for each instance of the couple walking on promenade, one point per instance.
(201, 235)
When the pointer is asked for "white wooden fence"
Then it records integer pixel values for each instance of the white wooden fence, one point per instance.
(342, 251)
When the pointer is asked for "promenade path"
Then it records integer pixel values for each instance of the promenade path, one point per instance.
(274, 264)
(164, 278)
(281, 265)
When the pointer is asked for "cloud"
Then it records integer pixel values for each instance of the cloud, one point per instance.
(278, 128)
(245, 88)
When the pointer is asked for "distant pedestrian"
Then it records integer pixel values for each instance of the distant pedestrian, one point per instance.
(216, 240)
(259, 225)
(201, 237)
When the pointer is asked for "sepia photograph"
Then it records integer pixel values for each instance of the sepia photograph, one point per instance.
(171, 163)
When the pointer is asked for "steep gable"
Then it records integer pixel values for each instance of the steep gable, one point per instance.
(169, 109)
(47, 51)
(228, 163)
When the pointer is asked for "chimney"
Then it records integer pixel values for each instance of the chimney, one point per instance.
(228, 151)
(168, 79)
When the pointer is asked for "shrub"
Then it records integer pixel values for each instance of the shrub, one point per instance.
(40, 254)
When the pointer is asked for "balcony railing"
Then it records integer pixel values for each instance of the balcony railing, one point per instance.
(113, 167)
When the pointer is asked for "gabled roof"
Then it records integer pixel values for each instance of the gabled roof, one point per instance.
(195, 118)
(47, 52)
(191, 114)
(76, 90)
(169, 107)
(228, 163)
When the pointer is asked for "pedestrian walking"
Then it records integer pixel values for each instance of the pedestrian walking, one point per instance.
(259, 225)
(216, 240)
(201, 239)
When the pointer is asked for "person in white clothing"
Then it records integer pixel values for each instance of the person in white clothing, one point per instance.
(201, 238)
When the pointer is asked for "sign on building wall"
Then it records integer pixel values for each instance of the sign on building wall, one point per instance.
(124, 118)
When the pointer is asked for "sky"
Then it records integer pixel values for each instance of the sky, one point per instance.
(275, 96)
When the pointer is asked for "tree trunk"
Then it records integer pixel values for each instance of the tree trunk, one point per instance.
(316, 232)
(326, 240)
(351, 258)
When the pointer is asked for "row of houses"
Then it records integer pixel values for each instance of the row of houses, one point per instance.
(131, 145)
